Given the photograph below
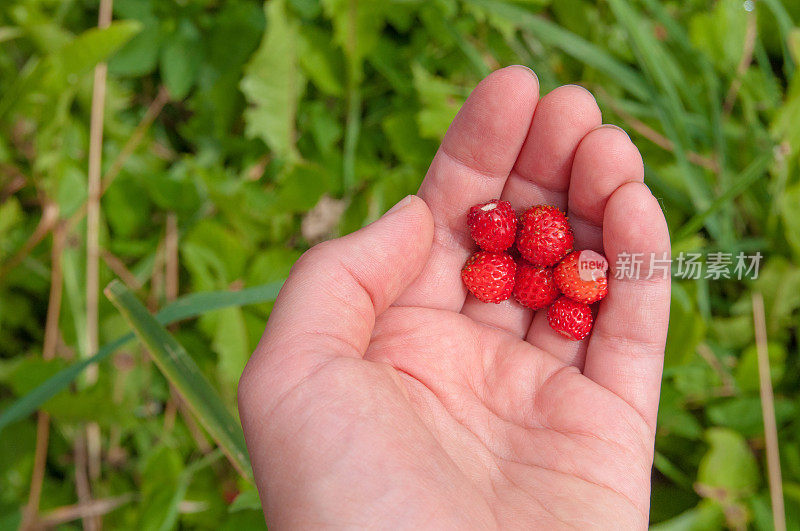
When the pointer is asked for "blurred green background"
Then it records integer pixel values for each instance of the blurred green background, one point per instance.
(239, 133)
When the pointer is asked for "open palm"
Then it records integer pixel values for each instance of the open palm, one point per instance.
(383, 395)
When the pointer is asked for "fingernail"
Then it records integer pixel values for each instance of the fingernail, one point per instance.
(529, 69)
(400, 205)
(612, 126)
(584, 89)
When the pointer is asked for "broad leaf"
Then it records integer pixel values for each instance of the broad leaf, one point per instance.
(273, 84)
(729, 465)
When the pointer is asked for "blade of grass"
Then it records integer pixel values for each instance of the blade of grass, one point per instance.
(183, 373)
(570, 43)
(695, 183)
(748, 176)
(351, 134)
(673, 27)
(720, 148)
(183, 486)
(657, 64)
(469, 50)
(185, 307)
(785, 25)
(670, 470)
(666, 81)
(595, 57)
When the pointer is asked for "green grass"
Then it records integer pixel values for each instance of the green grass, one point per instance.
(274, 107)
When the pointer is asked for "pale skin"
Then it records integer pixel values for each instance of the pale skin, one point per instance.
(383, 395)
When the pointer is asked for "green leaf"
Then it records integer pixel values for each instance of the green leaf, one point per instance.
(743, 414)
(184, 308)
(184, 375)
(271, 264)
(88, 49)
(747, 369)
(402, 132)
(139, 56)
(231, 344)
(779, 282)
(93, 404)
(686, 329)
(10, 215)
(321, 63)
(273, 84)
(670, 470)
(784, 123)
(440, 103)
(29, 77)
(218, 249)
(729, 465)
(66, 65)
(673, 418)
(303, 184)
(181, 59)
(791, 214)
(160, 479)
(72, 190)
(720, 33)
(706, 516)
(164, 486)
(29, 372)
(247, 499)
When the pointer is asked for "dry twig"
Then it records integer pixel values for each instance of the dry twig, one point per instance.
(744, 63)
(654, 136)
(94, 508)
(768, 412)
(48, 352)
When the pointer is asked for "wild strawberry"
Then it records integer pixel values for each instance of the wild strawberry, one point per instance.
(493, 225)
(489, 276)
(581, 276)
(534, 286)
(545, 236)
(569, 318)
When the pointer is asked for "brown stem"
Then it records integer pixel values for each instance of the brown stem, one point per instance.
(90, 522)
(116, 265)
(654, 136)
(94, 508)
(48, 353)
(768, 412)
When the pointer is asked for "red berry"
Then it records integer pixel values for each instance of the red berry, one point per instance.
(581, 276)
(569, 318)
(493, 225)
(489, 276)
(545, 236)
(534, 286)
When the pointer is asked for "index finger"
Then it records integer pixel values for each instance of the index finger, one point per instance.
(471, 166)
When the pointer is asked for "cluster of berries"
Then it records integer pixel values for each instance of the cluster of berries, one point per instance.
(545, 268)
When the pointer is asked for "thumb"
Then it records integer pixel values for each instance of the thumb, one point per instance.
(328, 305)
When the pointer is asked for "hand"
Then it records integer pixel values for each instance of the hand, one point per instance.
(383, 395)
